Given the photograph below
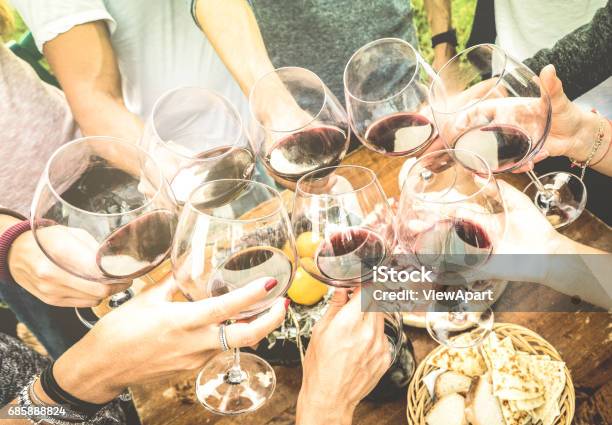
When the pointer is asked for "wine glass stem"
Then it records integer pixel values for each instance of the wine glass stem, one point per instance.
(541, 189)
(235, 375)
(457, 317)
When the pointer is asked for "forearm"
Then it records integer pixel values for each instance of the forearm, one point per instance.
(99, 113)
(582, 58)
(232, 29)
(578, 270)
(311, 412)
(439, 18)
(84, 63)
(7, 221)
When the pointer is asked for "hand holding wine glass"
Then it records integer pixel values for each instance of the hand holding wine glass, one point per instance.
(304, 126)
(90, 219)
(231, 232)
(487, 102)
(33, 271)
(347, 355)
(170, 336)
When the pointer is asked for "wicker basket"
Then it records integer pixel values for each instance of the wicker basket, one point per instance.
(419, 401)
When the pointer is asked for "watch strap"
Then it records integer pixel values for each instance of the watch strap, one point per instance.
(449, 37)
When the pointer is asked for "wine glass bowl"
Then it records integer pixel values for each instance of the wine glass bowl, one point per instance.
(222, 244)
(343, 224)
(90, 217)
(386, 90)
(450, 219)
(487, 102)
(197, 135)
(304, 126)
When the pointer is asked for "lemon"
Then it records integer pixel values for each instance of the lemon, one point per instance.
(307, 244)
(305, 289)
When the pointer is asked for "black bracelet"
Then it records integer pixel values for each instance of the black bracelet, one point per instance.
(11, 213)
(60, 396)
(449, 37)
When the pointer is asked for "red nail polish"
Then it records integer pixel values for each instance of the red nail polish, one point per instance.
(287, 302)
(270, 284)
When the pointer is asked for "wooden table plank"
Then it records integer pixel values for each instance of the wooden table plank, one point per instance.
(583, 339)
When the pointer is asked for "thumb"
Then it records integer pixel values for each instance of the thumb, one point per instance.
(551, 83)
(338, 299)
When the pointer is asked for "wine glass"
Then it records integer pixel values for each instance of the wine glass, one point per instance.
(90, 218)
(386, 88)
(450, 219)
(304, 126)
(197, 135)
(343, 224)
(222, 244)
(487, 102)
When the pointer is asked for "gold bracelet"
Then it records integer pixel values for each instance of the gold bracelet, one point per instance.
(599, 138)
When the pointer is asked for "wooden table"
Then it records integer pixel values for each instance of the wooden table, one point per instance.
(584, 340)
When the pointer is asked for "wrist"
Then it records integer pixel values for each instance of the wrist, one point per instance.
(590, 124)
(323, 410)
(82, 372)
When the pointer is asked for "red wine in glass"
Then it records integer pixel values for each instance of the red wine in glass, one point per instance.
(223, 162)
(501, 146)
(458, 243)
(403, 133)
(247, 265)
(349, 255)
(137, 247)
(305, 151)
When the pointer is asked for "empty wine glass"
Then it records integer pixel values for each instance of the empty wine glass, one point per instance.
(305, 127)
(90, 218)
(197, 135)
(222, 244)
(487, 102)
(386, 88)
(450, 219)
(343, 224)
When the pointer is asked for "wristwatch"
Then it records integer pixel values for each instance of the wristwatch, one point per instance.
(449, 37)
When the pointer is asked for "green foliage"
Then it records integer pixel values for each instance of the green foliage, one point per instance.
(19, 29)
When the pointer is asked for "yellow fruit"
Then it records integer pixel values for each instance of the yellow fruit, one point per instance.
(305, 289)
(307, 244)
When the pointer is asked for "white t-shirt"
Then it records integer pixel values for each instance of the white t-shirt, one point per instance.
(526, 26)
(156, 42)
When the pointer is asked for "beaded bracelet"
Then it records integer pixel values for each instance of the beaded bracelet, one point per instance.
(599, 139)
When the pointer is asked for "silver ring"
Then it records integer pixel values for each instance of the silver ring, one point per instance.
(223, 338)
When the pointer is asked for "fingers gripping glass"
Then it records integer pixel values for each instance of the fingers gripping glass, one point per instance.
(487, 102)
(304, 126)
(230, 233)
(90, 217)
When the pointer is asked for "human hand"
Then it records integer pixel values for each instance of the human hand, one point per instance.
(347, 355)
(151, 337)
(34, 272)
(528, 231)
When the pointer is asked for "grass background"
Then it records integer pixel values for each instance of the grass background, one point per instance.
(463, 13)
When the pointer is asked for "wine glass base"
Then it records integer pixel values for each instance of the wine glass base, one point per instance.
(89, 316)
(565, 201)
(218, 393)
(459, 330)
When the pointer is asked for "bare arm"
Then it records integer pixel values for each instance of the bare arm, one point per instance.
(439, 17)
(85, 65)
(232, 29)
